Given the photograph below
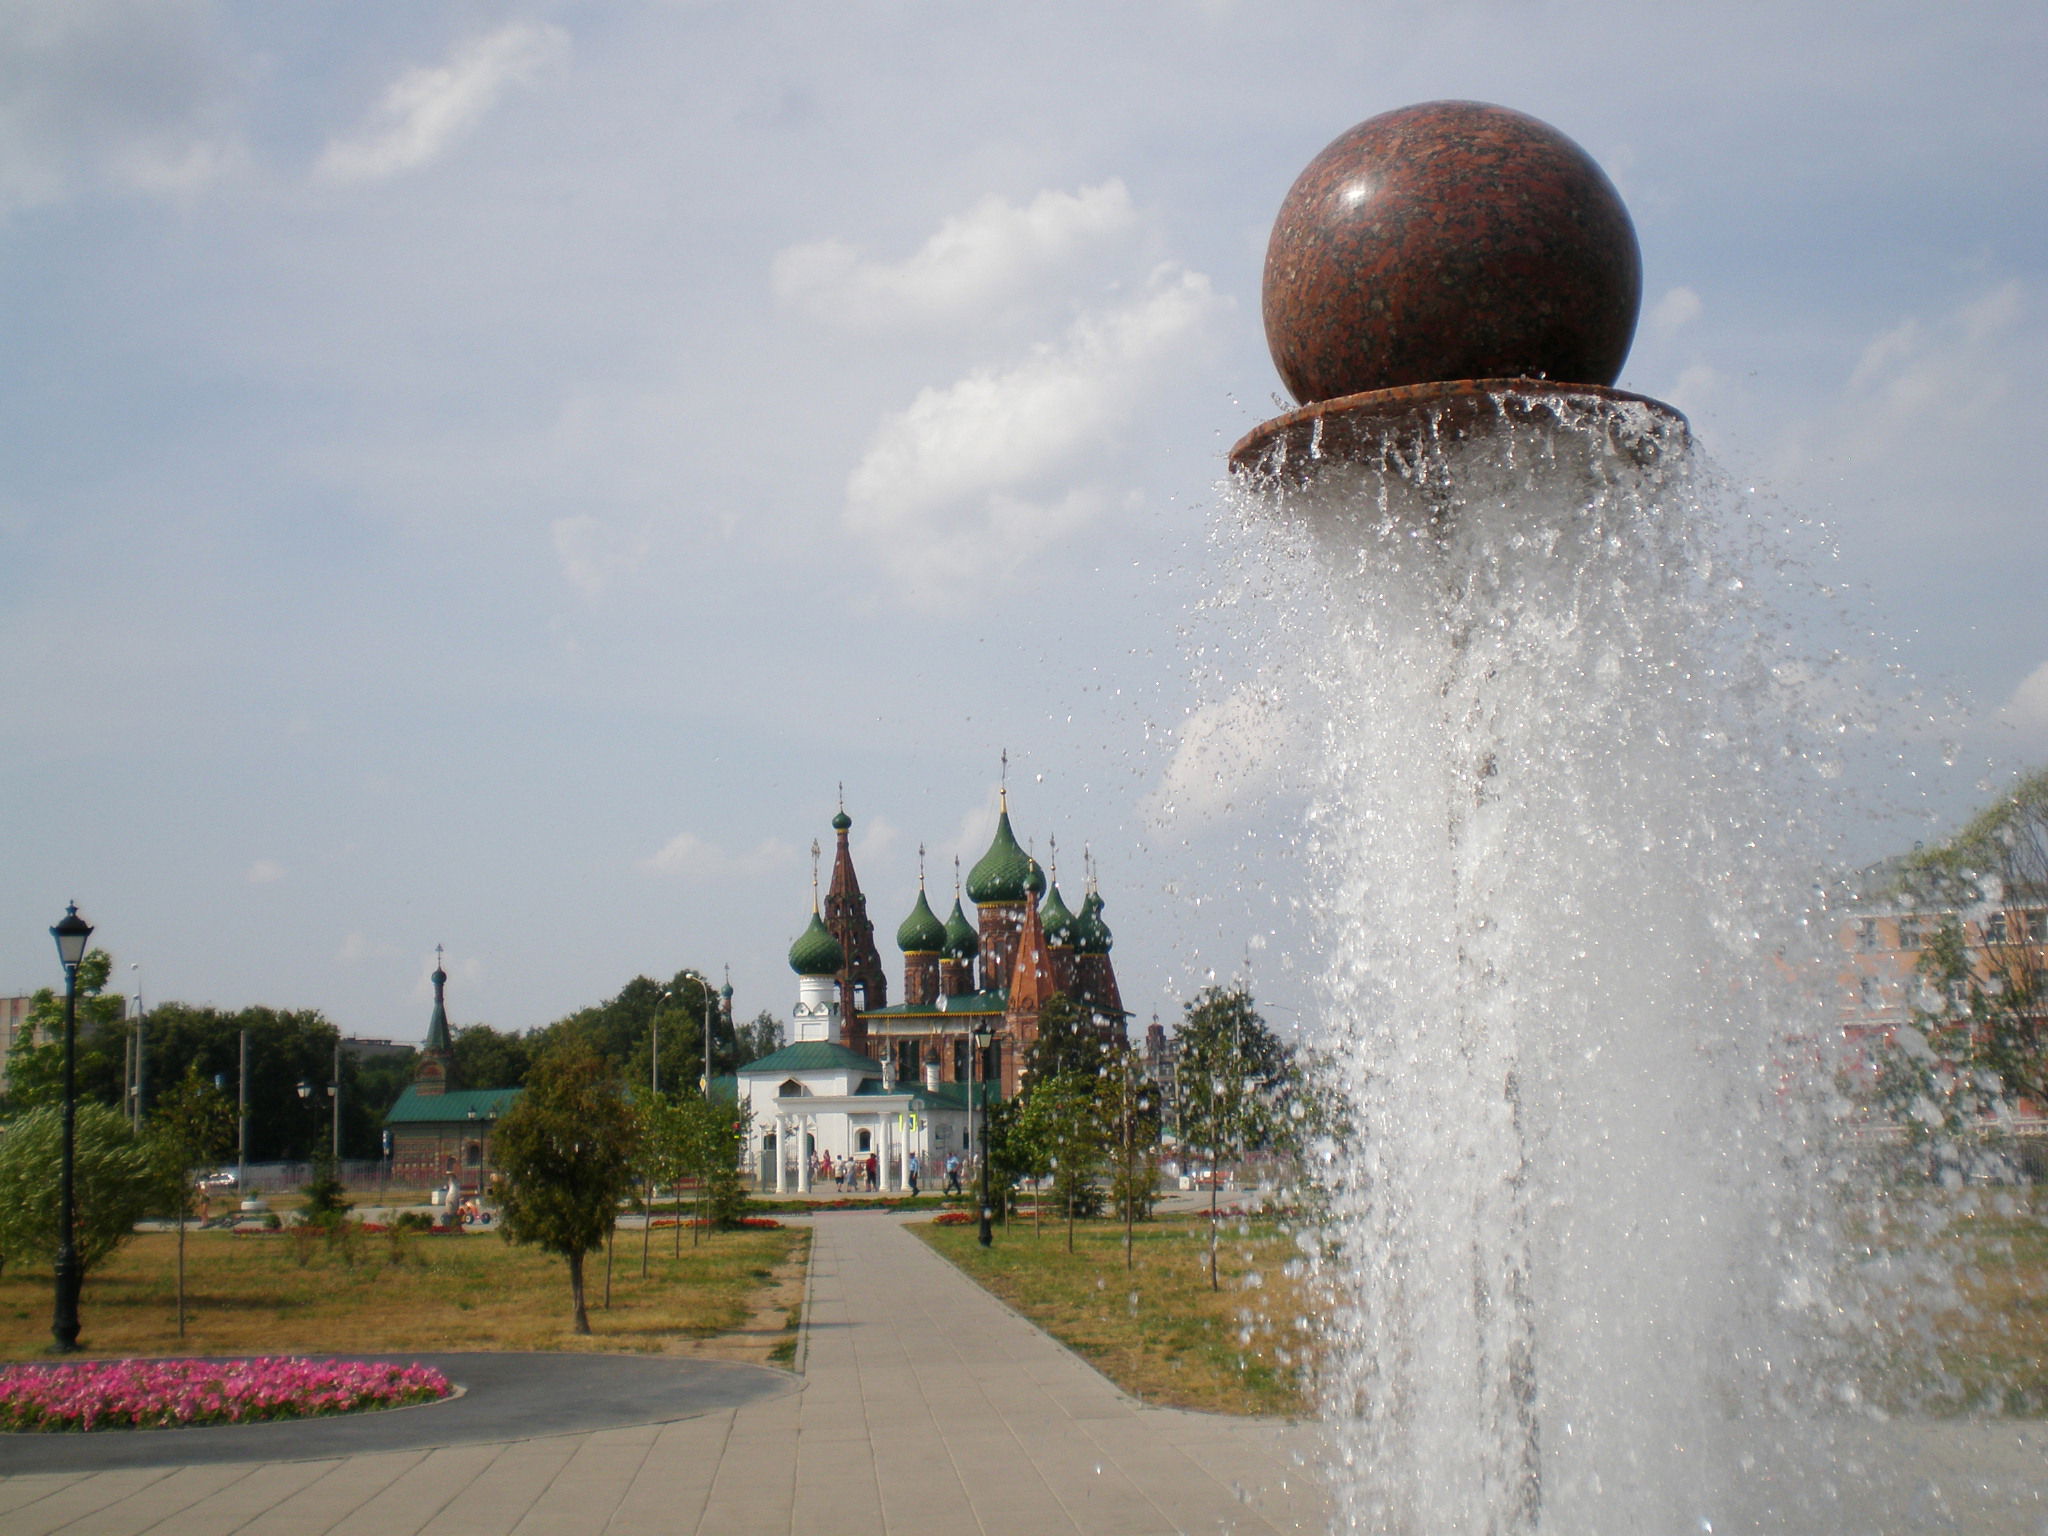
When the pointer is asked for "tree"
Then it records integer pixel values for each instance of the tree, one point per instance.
(566, 1153)
(490, 1058)
(1070, 1040)
(1131, 1103)
(115, 1180)
(35, 1065)
(1061, 1118)
(191, 1128)
(1981, 1040)
(1233, 1071)
(286, 1047)
(763, 1037)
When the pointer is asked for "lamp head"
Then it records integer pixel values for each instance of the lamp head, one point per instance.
(71, 933)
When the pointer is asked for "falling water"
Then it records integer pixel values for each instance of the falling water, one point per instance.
(1561, 858)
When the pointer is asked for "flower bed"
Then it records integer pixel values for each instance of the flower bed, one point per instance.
(954, 1219)
(155, 1394)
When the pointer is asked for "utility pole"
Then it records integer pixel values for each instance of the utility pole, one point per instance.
(141, 1046)
(242, 1131)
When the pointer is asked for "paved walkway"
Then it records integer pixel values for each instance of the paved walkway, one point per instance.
(927, 1407)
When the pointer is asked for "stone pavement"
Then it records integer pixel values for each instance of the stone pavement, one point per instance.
(927, 1407)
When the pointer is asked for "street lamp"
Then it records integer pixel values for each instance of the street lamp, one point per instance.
(70, 933)
(333, 1093)
(983, 1035)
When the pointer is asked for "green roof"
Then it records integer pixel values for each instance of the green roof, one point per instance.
(416, 1108)
(962, 942)
(922, 933)
(1004, 870)
(966, 1003)
(811, 1056)
(816, 952)
(1091, 933)
(945, 1096)
(1057, 920)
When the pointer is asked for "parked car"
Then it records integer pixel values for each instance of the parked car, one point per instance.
(1208, 1178)
(220, 1178)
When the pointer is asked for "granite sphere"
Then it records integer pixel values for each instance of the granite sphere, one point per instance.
(1450, 240)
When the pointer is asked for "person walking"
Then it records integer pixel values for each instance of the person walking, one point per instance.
(953, 1173)
(910, 1171)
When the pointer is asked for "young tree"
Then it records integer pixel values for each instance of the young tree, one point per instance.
(1070, 1040)
(114, 1177)
(1230, 1065)
(1131, 1106)
(35, 1064)
(1996, 870)
(1935, 1078)
(565, 1152)
(1062, 1118)
(191, 1127)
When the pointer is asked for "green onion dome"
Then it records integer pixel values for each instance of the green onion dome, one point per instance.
(1054, 917)
(1091, 933)
(922, 933)
(1034, 880)
(841, 822)
(816, 952)
(962, 942)
(1003, 871)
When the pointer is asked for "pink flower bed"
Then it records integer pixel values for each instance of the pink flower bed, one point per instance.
(154, 1394)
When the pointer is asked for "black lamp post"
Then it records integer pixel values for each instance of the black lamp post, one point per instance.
(70, 933)
(983, 1035)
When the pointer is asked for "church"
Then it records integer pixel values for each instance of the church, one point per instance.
(862, 1078)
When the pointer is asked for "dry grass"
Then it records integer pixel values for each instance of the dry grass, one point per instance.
(387, 1292)
(1967, 1327)
(1965, 1331)
(1157, 1330)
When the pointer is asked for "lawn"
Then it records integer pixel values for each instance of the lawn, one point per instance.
(392, 1292)
(1957, 1321)
(1961, 1285)
(1157, 1329)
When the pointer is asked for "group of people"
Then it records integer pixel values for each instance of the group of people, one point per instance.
(856, 1173)
(862, 1173)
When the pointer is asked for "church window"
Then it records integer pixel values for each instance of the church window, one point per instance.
(792, 1089)
(863, 1141)
(960, 1050)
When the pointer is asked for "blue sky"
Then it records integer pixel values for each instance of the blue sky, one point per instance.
(483, 474)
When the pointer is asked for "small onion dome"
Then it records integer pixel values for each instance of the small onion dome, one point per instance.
(841, 822)
(816, 952)
(1034, 880)
(1091, 933)
(962, 942)
(1054, 917)
(922, 933)
(1003, 871)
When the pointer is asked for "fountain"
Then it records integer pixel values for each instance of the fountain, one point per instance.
(1572, 1260)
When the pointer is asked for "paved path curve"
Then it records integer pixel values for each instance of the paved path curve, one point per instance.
(505, 1397)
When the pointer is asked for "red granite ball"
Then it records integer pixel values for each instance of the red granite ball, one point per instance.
(1450, 240)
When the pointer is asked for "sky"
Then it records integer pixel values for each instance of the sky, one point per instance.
(486, 475)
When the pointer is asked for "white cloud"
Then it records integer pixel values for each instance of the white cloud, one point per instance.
(358, 947)
(102, 93)
(1229, 754)
(984, 473)
(1678, 308)
(689, 855)
(427, 109)
(264, 872)
(993, 252)
(2027, 710)
(593, 554)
